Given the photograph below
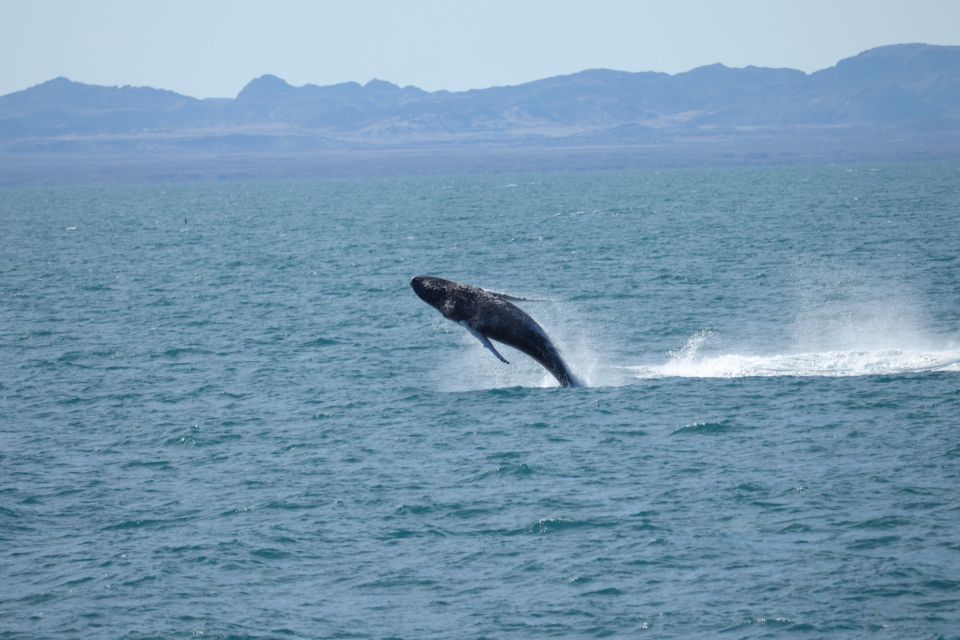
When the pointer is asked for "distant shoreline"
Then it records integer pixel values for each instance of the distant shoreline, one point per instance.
(895, 103)
(60, 169)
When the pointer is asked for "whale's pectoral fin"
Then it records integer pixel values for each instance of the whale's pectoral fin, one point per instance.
(484, 340)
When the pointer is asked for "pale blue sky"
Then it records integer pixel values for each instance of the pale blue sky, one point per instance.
(211, 48)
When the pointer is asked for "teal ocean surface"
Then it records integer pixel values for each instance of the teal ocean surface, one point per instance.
(224, 413)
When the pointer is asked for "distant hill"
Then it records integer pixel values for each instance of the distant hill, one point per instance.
(891, 92)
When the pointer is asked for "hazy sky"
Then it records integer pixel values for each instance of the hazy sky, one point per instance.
(211, 48)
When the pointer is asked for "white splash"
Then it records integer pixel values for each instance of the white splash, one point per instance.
(826, 364)
(691, 362)
(844, 325)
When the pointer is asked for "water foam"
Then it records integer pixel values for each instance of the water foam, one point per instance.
(827, 364)
(844, 324)
(691, 362)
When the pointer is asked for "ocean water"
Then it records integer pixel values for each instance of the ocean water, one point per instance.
(224, 413)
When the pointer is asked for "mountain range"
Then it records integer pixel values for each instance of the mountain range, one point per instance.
(897, 92)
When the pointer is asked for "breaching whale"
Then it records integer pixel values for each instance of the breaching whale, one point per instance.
(492, 316)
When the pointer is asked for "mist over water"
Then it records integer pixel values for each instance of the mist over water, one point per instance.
(840, 329)
(223, 412)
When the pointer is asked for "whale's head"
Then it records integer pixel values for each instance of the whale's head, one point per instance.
(436, 292)
(433, 291)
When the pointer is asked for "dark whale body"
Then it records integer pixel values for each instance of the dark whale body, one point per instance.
(491, 316)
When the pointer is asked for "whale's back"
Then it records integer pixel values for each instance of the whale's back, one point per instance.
(504, 322)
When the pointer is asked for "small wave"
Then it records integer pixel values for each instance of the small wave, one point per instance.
(320, 342)
(552, 525)
(140, 523)
(705, 428)
(269, 553)
(885, 522)
(873, 543)
(824, 364)
(179, 352)
(608, 591)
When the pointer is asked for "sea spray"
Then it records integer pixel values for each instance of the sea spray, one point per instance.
(471, 367)
(840, 307)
